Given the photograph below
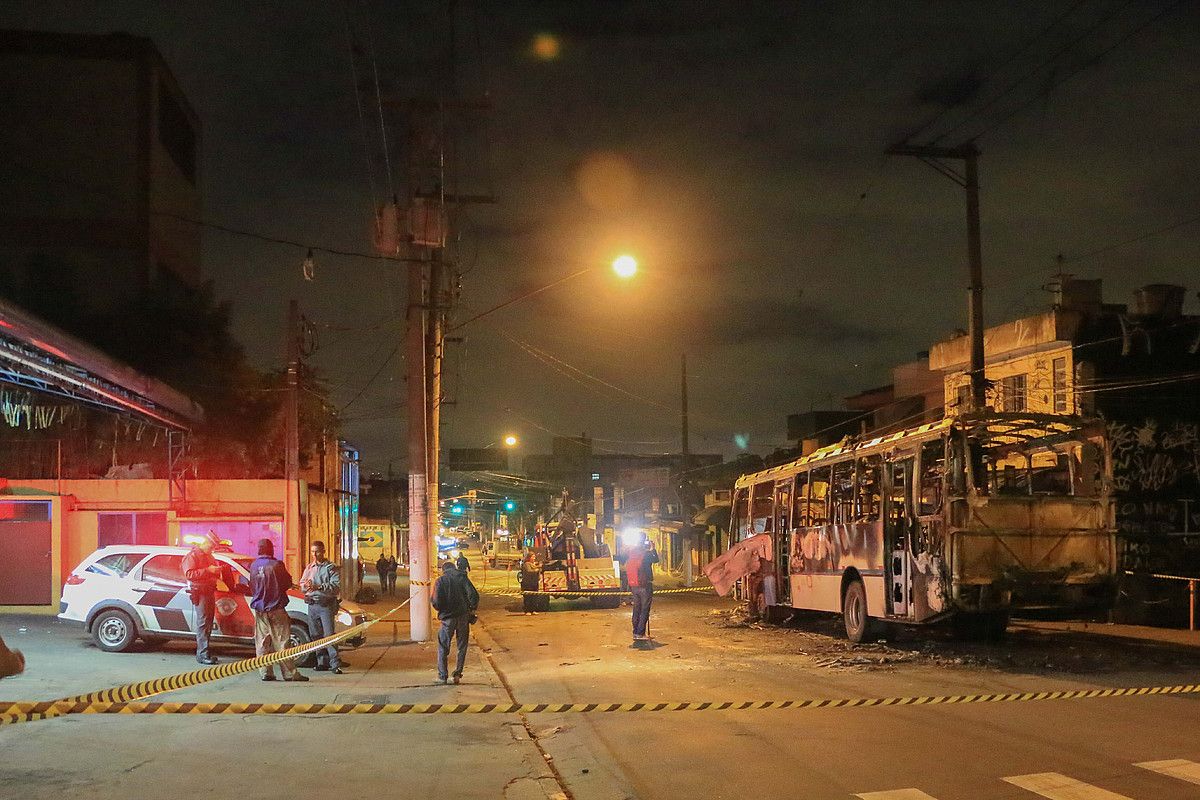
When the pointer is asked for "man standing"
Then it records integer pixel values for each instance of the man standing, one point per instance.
(461, 563)
(393, 566)
(455, 598)
(381, 569)
(202, 572)
(321, 584)
(637, 562)
(269, 583)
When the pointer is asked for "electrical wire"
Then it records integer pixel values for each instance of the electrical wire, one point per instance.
(1125, 242)
(362, 119)
(373, 377)
(1035, 70)
(1085, 65)
(387, 159)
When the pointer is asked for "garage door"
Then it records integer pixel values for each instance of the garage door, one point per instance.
(26, 570)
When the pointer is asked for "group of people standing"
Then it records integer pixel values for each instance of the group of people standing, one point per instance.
(268, 591)
(386, 568)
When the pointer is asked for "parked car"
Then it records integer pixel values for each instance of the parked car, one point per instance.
(121, 593)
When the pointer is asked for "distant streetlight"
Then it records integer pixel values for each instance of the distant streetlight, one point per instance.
(625, 266)
(510, 441)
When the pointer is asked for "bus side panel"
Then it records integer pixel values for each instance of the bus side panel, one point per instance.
(824, 593)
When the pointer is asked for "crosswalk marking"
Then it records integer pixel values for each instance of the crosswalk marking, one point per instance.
(1059, 787)
(1179, 768)
(896, 794)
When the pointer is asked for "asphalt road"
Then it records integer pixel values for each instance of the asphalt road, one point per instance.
(1142, 748)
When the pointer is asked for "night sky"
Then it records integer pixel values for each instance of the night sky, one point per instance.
(735, 148)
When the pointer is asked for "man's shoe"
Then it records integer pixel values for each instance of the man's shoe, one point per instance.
(207, 661)
(321, 667)
(457, 680)
(337, 670)
(441, 682)
(268, 677)
(297, 678)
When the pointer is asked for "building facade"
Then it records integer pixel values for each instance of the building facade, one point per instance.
(102, 157)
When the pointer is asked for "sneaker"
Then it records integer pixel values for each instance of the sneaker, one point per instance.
(321, 668)
(297, 678)
(206, 661)
(337, 670)
(440, 682)
(268, 677)
(457, 679)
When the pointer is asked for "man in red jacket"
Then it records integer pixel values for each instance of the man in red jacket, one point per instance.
(202, 572)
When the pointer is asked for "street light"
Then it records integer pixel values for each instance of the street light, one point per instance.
(626, 266)
(510, 441)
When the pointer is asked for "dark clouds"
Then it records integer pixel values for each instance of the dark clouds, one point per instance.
(755, 129)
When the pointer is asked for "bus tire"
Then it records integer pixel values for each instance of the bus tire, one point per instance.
(854, 612)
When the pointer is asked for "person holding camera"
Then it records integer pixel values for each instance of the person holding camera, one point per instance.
(637, 562)
(455, 598)
(322, 584)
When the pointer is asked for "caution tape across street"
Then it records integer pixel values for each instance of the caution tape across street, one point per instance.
(11, 713)
(591, 592)
(61, 707)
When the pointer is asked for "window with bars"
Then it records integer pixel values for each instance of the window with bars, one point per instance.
(1014, 393)
(1060, 386)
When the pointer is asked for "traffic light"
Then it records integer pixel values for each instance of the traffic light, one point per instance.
(456, 509)
(510, 505)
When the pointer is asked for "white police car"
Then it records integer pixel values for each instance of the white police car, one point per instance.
(121, 593)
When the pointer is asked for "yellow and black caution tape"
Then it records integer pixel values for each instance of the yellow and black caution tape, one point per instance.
(59, 707)
(1162, 577)
(11, 712)
(591, 592)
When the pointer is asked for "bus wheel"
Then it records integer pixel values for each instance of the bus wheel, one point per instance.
(854, 612)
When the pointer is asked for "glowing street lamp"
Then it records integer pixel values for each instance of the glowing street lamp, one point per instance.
(625, 266)
(510, 441)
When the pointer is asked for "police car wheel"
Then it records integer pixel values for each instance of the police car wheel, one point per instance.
(299, 636)
(113, 631)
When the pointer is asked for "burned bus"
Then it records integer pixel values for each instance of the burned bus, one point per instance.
(964, 520)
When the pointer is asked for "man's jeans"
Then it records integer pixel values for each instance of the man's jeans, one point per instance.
(642, 596)
(459, 626)
(205, 606)
(320, 625)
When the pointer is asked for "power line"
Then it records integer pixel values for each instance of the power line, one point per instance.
(1085, 65)
(362, 119)
(1035, 70)
(371, 380)
(1011, 58)
(263, 237)
(1133, 240)
(387, 159)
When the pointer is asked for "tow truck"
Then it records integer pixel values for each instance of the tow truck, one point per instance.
(563, 563)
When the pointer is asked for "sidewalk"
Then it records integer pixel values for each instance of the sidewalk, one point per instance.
(1140, 633)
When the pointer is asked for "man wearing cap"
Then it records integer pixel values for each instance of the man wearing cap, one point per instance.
(202, 572)
(455, 598)
(269, 584)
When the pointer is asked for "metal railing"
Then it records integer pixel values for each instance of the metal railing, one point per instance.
(1191, 582)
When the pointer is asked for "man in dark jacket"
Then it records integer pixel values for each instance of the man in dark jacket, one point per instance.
(381, 569)
(269, 584)
(455, 598)
(202, 572)
(637, 562)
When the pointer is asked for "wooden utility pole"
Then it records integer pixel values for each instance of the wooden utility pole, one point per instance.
(968, 179)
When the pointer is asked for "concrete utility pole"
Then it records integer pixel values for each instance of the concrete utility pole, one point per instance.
(418, 454)
(683, 405)
(968, 179)
(291, 458)
(433, 393)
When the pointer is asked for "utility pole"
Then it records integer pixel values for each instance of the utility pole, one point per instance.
(684, 411)
(418, 454)
(291, 459)
(968, 153)
(433, 392)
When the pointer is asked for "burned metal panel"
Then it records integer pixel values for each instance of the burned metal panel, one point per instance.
(930, 587)
(835, 548)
